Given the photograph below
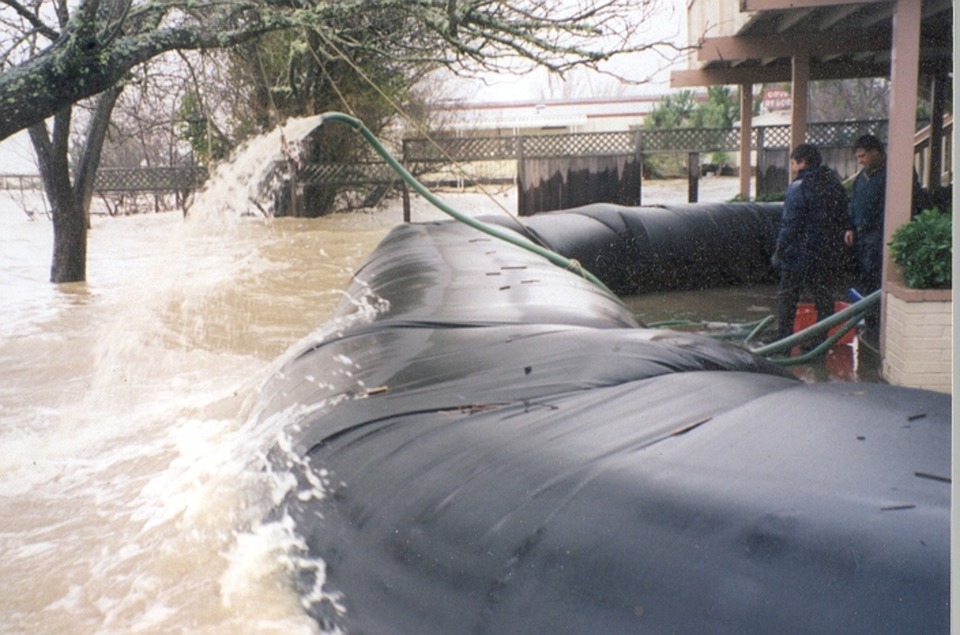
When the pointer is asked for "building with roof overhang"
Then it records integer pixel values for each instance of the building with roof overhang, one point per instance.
(910, 42)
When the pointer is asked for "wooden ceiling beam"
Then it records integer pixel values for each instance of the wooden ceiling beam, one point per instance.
(743, 47)
(788, 21)
(774, 5)
(772, 74)
(838, 15)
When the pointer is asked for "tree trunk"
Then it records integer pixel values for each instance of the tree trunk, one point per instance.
(69, 222)
(86, 173)
(70, 202)
(69, 241)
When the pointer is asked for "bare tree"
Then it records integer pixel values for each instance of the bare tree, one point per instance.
(95, 45)
(842, 99)
(91, 47)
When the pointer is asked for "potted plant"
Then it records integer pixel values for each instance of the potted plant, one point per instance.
(919, 305)
(923, 249)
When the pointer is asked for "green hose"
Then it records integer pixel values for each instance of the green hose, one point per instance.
(492, 230)
(853, 313)
(760, 326)
(819, 350)
(849, 316)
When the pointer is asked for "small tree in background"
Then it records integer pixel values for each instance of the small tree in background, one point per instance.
(843, 99)
(683, 110)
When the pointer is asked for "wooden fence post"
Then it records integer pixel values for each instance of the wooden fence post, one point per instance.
(761, 165)
(405, 190)
(693, 176)
(638, 157)
(521, 195)
(294, 199)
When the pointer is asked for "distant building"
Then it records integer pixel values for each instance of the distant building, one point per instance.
(558, 116)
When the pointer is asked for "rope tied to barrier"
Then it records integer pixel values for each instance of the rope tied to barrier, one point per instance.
(577, 268)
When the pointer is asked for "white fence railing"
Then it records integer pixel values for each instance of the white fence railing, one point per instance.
(20, 182)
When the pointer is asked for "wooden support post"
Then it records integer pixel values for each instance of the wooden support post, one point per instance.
(937, 98)
(746, 134)
(693, 176)
(800, 80)
(904, 76)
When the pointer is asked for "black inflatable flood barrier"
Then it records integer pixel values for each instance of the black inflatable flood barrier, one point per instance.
(503, 450)
(637, 250)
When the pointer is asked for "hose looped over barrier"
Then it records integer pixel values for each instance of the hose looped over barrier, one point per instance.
(635, 253)
(557, 259)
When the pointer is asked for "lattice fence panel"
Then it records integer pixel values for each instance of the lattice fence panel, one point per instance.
(691, 140)
(844, 133)
(836, 134)
(776, 137)
(346, 174)
(460, 149)
(168, 179)
(581, 145)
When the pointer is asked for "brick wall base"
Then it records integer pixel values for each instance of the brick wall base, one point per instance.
(918, 337)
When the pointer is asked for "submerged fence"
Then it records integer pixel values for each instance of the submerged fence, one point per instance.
(552, 171)
(151, 180)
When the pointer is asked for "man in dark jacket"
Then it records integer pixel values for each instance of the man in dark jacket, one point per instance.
(865, 215)
(809, 243)
(864, 231)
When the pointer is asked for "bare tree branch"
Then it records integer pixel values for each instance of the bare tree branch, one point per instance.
(32, 19)
(102, 40)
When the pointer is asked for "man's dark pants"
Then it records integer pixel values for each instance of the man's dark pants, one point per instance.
(869, 249)
(792, 283)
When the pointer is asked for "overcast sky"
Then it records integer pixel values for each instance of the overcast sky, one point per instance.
(16, 155)
(652, 69)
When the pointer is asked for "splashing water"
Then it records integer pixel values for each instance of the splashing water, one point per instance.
(133, 482)
(246, 184)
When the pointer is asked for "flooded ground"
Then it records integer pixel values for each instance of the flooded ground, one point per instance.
(132, 481)
(710, 311)
(857, 361)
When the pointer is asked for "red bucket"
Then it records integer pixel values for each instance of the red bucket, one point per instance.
(807, 316)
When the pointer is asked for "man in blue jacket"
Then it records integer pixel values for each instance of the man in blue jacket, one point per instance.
(865, 214)
(809, 243)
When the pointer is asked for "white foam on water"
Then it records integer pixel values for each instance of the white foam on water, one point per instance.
(133, 482)
(245, 184)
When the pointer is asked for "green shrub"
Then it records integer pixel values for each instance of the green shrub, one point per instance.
(923, 250)
(772, 197)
